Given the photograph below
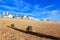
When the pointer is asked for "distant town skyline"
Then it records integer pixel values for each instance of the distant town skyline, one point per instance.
(41, 9)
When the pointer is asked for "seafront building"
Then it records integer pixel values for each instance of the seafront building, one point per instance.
(17, 16)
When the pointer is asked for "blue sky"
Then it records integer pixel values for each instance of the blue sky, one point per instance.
(42, 9)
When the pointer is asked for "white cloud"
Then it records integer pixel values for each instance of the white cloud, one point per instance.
(53, 15)
(49, 6)
(21, 5)
(39, 11)
(36, 6)
(54, 12)
(9, 8)
(16, 2)
(5, 6)
(2, 1)
(8, 11)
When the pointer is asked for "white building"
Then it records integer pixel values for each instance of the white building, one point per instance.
(31, 18)
(25, 18)
(10, 16)
(6, 15)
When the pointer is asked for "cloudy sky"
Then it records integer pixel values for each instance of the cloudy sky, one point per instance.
(42, 9)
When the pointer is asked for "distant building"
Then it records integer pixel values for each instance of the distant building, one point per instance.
(6, 15)
(22, 17)
(10, 16)
(25, 18)
(17, 16)
(0, 16)
(31, 18)
(28, 17)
